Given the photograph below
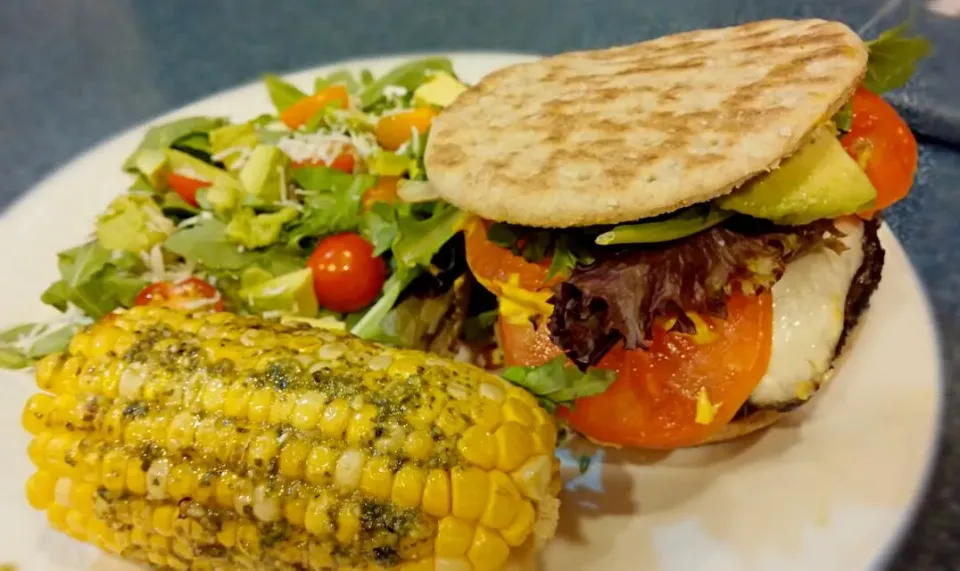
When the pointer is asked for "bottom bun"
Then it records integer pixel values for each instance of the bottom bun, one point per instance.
(756, 420)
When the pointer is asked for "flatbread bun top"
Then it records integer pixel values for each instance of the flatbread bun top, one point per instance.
(609, 136)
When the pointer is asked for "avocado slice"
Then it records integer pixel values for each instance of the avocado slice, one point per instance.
(819, 181)
(290, 294)
(673, 227)
(217, 176)
(264, 175)
(153, 165)
(232, 138)
(442, 90)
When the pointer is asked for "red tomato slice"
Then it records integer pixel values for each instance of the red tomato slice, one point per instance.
(186, 187)
(882, 143)
(653, 402)
(494, 264)
(191, 294)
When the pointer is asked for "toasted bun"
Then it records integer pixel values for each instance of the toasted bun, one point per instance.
(608, 136)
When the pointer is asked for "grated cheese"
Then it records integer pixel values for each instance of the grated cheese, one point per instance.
(394, 91)
(190, 172)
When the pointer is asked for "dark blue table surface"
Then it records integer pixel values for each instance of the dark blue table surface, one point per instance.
(73, 72)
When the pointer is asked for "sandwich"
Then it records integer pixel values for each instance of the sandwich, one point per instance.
(684, 230)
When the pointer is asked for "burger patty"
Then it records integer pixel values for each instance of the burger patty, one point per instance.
(861, 288)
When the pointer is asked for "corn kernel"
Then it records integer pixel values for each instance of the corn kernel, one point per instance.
(248, 539)
(260, 403)
(469, 491)
(295, 507)
(81, 496)
(182, 481)
(418, 445)
(180, 432)
(293, 457)
(66, 381)
(489, 551)
(47, 368)
(139, 537)
(57, 517)
(163, 519)
(454, 537)
(227, 536)
(37, 449)
(486, 414)
(533, 477)
(423, 417)
(518, 531)
(436, 494)
(206, 435)
(114, 473)
(263, 449)
(334, 420)
(479, 447)
(514, 444)
(544, 438)
(36, 411)
(405, 364)
(349, 469)
(502, 503)
(517, 411)
(321, 463)
(226, 489)
(452, 564)
(281, 410)
(307, 411)
(408, 484)
(348, 523)
(319, 556)
(377, 477)
(360, 428)
(40, 487)
(136, 477)
(421, 565)
(452, 422)
(317, 516)
(236, 402)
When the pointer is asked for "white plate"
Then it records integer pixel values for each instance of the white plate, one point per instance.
(833, 487)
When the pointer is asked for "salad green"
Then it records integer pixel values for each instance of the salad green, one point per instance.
(242, 205)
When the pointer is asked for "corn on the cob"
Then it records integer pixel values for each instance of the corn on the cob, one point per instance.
(214, 441)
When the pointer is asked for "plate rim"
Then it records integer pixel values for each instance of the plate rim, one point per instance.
(908, 517)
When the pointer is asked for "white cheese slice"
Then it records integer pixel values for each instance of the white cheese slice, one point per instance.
(808, 309)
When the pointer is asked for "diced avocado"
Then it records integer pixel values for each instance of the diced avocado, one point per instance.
(228, 137)
(220, 198)
(254, 275)
(441, 90)
(386, 163)
(265, 173)
(153, 165)
(258, 230)
(819, 181)
(290, 294)
(180, 161)
(133, 223)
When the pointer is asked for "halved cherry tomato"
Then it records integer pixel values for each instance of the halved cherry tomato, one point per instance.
(301, 111)
(346, 274)
(384, 191)
(495, 265)
(653, 402)
(185, 186)
(392, 131)
(191, 294)
(343, 162)
(880, 140)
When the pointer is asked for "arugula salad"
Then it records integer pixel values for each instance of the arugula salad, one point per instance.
(291, 215)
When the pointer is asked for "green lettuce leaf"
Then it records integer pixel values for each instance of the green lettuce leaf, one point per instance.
(408, 75)
(207, 244)
(341, 76)
(380, 227)
(281, 93)
(96, 280)
(556, 383)
(893, 58)
(169, 134)
(566, 250)
(420, 239)
(332, 203)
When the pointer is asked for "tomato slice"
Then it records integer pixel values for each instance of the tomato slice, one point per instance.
(191, 294)
(186, 187)
(880, 140)
(495, 265)
(653, 402)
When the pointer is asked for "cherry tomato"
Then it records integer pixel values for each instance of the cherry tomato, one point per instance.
(191, 294)
(384, 191)
(185, 186)
(301, 111)
(495, 265)
(653, 402)
(392, 131)
(343, 162)
(882, 143)
(346, 274)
